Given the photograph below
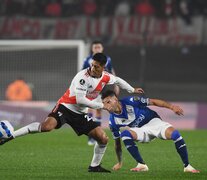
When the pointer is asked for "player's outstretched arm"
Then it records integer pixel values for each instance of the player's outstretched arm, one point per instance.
(160, 103)
(118, 150)
(125, 85)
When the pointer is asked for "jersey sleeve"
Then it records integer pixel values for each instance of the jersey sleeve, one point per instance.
(121, 83)
(113, 127)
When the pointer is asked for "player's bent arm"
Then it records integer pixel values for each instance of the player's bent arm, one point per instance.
(81, 99)
(118, 151)
(123, 84)
(113, 72)
(116, 87)
(161, 103)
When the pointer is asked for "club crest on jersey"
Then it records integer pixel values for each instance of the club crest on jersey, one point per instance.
(136, 98)
(82, 81)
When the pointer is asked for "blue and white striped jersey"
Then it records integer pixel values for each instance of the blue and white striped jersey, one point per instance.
(88, 61)
(135, 113)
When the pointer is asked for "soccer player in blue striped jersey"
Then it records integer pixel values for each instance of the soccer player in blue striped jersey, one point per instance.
(131, 120)
(97, 47)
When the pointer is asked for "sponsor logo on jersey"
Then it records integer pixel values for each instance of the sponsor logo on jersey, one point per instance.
(141, 117)
(82, 81)
(92, 95)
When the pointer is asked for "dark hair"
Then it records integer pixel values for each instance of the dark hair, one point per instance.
(108, 93)
(101, 58)
(96, 42)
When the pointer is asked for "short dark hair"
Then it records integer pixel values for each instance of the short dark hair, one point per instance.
(107, 93)
(97, 42)
(101, 58)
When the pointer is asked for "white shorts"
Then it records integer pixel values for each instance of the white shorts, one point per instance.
(154, 129)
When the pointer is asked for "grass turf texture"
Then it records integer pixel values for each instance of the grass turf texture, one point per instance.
(63, 155)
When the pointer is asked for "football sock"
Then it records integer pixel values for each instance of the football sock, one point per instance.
(131, 146)
(99, 150)
(31, 128)
(180, 146)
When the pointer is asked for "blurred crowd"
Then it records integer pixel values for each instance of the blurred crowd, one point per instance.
(96, 8)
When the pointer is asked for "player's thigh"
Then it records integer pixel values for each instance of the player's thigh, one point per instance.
(140, 134)
(99, 135)
(157, 128)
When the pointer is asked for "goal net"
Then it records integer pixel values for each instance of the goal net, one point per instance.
(49, 65)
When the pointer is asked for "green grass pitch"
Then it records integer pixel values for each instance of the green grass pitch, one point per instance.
(63, 155)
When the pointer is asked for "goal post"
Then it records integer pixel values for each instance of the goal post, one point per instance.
(49, 65)
(36, 44)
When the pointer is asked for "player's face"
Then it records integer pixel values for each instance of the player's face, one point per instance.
(97, 48)
(96, 69)
(113, 102)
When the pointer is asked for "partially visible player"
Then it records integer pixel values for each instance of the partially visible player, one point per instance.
(97, 47)
(72, 108)
(142, 124)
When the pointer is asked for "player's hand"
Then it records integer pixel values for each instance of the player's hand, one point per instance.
(138, 90)
(117, 166)
(177, 110)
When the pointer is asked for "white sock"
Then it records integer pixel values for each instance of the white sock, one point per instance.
(31, 128)
(99, 150)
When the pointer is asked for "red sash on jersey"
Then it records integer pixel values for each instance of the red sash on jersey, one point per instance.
(66, 98)
(100, 86)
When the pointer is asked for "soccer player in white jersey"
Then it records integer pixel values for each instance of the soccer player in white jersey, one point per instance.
(98, 47)
(72, 107)
(140, 123)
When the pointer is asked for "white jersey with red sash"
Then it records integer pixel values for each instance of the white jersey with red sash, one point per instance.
(84, 90)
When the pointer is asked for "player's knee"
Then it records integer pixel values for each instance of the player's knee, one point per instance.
(126, 135)
(46, 127)
(104, 139)
(49, 124)
(175, 135)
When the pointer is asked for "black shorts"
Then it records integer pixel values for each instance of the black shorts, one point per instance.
(81, 123)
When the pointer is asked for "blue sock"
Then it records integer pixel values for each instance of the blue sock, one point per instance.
(180, 146)
(131, 146)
